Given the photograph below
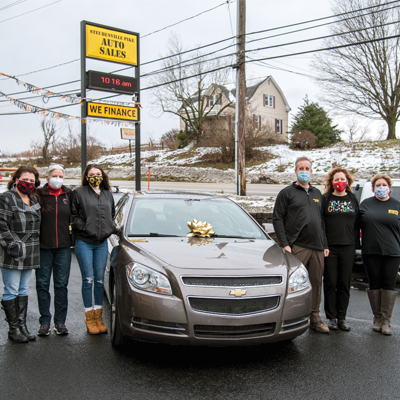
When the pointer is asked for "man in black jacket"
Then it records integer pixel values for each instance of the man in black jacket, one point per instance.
(299, 227)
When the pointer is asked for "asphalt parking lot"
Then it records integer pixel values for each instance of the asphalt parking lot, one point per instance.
(360, 364)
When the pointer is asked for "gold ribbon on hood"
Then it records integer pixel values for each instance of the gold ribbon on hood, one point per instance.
(200, 229)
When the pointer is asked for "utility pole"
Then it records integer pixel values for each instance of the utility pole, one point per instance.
(240, 145)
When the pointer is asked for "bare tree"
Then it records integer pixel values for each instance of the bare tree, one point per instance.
(49, 129)
(186, 85)
(365, 78)
(68, 147)
(356, 132)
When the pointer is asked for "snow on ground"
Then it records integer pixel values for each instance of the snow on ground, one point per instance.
(362, 159)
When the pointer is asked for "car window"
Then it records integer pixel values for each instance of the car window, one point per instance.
(170, 217)
(120, 210)
(395, 193)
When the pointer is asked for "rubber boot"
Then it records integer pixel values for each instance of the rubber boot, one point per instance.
(14, 333)
(22, 307)
(388, 300)
(374, 297)
(91, 323)
(99, 320)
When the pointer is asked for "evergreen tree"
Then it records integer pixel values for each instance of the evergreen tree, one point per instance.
(315, 119)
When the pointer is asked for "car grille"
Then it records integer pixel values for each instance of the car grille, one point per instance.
(231, 281)
(244, 331)
(157, 326)
(234, 306)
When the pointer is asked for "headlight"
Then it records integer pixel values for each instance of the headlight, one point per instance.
(145, 278)
(298, 279)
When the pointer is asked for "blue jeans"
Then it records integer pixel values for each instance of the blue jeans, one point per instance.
(57, 261)
(92, 260)
(16, 282)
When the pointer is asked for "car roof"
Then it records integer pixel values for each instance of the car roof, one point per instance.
(164, 194)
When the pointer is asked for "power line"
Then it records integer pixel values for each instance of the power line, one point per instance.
(12, 4)
(322, 37)
(28, 12)
(187, 19)
(254, 60)
(327, 48)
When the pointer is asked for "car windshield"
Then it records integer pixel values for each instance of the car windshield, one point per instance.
(169, 217)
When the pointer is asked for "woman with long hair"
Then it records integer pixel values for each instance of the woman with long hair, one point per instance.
(93, 213)
(380, 226)
(19, 248)
(340, 210)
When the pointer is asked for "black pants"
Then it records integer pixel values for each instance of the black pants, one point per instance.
(381, 270)
(337, 278)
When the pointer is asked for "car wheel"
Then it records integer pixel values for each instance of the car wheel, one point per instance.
(116, 336)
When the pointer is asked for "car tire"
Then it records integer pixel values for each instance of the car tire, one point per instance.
(116, 336)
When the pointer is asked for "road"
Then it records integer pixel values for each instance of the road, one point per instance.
(251, 189)
(360, 364)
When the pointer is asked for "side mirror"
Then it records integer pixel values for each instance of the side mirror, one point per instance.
(268, 227)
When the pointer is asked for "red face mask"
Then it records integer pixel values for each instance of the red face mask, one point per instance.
(25, 187)
(340, 186)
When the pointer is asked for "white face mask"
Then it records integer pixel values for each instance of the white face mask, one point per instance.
(56, 182)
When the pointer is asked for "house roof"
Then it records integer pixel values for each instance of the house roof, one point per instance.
(230, 94)
(251, 90)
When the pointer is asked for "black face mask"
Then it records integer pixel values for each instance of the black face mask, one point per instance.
(25, 187)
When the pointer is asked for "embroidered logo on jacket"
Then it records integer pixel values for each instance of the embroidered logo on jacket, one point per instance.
(316, 200)
(395, 212)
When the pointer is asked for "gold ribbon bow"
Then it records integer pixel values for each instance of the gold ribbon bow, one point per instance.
(200, 229)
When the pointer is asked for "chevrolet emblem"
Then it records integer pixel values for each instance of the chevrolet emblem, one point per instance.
(238, 292)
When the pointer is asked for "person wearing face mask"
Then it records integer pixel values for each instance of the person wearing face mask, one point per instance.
(55, 251)
(93, 213)
(299, 227)
(340, 210)
(380, 227)
(19, 248)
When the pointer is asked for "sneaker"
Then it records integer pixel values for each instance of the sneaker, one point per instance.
(44, 330)
(60, 329)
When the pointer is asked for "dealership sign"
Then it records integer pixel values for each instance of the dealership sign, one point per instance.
(111, 45)
(128, 133)
(109, 111)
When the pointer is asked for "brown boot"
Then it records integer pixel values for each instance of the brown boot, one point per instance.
(99, 320)
(374, 297)
(387, 304)
(319, 326)
(91, 323)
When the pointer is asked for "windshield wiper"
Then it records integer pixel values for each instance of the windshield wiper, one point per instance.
(232, 236)
(151, 234)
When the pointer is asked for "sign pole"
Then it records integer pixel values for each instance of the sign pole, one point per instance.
(83, 97)
(137, 134)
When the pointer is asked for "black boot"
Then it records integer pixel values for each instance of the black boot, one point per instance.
(22, 308)
(14, 333)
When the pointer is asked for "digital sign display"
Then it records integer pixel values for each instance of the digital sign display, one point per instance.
(111, 82)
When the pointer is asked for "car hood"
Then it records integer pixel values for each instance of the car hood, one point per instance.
(209, 254)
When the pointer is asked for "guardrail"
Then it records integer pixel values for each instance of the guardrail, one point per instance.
(9, 174)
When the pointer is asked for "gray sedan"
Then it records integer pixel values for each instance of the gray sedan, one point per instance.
(197, 269)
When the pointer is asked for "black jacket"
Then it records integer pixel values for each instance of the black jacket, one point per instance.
(357, 209)
(297, 218)
(54, 229)
(93, 215)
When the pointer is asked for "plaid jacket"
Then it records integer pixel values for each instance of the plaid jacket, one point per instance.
(19, 232)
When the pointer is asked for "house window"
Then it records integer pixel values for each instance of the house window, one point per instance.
(215, 99)
(257, 122)
(278, 126)
(269, 101)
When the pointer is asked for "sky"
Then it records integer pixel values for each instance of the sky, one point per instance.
(41, 46)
